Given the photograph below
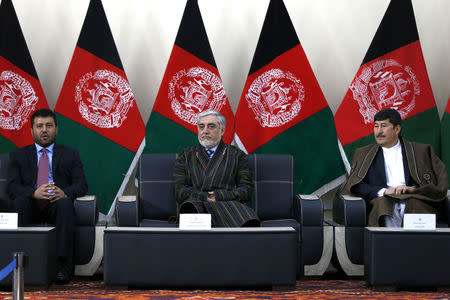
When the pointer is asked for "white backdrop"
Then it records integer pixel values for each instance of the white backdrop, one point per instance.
(335, 35)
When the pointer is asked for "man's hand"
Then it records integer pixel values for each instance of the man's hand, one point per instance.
(401, 189)
(49, 191)
(57, 193)
(43, 192)
(211, 197)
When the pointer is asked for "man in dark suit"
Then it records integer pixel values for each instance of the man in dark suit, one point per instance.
(43, 180)
(396, 176)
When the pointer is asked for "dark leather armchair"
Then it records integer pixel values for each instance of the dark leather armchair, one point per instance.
(272, 199)
(349, 220)
(88, 240)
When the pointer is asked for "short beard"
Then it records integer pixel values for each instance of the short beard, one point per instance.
(208, 144)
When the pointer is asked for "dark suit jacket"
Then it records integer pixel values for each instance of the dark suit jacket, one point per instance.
(67, 171)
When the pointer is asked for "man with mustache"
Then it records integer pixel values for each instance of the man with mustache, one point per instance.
(43, 180)
(396, 176)
(213, 177)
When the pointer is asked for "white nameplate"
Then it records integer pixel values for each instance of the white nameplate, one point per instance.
(419, 222)
(8, 220)
(195, 221)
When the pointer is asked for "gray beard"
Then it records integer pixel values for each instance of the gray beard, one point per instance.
(208, 144)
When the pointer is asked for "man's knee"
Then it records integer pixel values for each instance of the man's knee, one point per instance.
(23, 207)
(64, 204)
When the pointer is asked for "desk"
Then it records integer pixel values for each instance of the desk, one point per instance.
(220, 257)
(39, 245)
(407, 258)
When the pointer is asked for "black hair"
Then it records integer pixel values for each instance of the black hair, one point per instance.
(43, 112)
(389, 113)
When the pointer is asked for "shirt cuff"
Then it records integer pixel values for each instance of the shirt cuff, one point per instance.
(380, 193)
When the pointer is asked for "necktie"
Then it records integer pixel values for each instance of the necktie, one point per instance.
(43, 171)
(209, 152)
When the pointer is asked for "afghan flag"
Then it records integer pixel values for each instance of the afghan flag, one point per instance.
(392, 75)
(191, 84)
(20, 90)
(445, 138)
(97, 112)
(283, 110)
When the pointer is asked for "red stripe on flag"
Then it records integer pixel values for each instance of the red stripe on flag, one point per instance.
(190, 86)
(277, 97)
(398, 79)
(20, 95)
(447, 109)
(97, 95)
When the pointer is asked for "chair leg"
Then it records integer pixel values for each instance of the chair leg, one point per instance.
(349, 268)
(327, 251)
(92, 266)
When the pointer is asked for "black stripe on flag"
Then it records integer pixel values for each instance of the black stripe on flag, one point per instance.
(12, 43)
(96, 36)
(192, 35)
(277, 36)
(397, 29)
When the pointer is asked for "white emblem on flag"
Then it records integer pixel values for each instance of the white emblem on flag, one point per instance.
(104, 98)
(194, 91)
(275, 97)
(385, 84)
(17, 100)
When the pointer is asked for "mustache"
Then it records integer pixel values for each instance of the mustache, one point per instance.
(380, 135)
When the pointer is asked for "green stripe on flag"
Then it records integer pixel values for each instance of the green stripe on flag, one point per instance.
(313, 143)
(105, 162)
(166, 136)
(422, 128)
(350, 148)
(6, 145)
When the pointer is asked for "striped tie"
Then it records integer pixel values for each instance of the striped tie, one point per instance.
(209, 152)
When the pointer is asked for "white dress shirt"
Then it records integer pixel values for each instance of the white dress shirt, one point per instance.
(395, 176)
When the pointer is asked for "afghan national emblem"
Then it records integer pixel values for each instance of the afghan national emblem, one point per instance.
(385, 84)
(104, 98)
(17, 100)
(275, 97)
(194, 91)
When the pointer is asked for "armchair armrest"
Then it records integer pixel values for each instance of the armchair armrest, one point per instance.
(127, 211)
(349, 210)
(309, 210)
(86, 210)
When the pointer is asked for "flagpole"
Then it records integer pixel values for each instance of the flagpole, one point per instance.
(344, 157)
(126, 179)
(239, 143)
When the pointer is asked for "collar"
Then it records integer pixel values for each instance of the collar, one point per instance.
(49, 148)
(213, 149)
(394, 148)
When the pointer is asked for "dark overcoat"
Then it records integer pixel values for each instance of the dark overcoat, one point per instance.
(423, 169)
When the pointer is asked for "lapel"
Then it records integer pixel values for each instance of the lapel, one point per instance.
(409, 163)
(32, 162)
(202, 156)
(217, 157)
(379, 169)
(56, 158)
(367, 161)
(210, 165)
